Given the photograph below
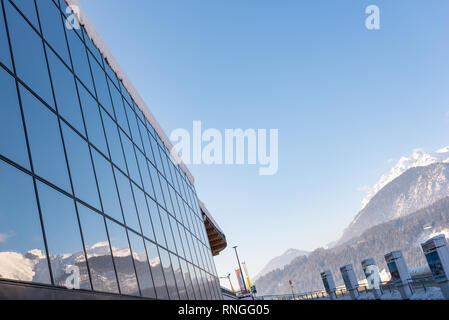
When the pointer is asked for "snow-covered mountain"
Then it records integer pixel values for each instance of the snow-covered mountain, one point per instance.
(412, 184)
(419, 158)
(281, 261)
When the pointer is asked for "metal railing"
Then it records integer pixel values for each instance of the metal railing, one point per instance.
(423, 283)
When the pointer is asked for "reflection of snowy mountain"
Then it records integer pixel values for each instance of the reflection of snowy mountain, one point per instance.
(33, 267)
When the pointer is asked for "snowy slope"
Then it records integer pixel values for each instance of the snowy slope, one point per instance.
(419, 158)
(280, 261)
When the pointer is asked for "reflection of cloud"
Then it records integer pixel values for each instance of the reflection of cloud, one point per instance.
(4, 237)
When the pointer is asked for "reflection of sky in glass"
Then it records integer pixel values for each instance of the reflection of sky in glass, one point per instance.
(21, 236)
(22, 250)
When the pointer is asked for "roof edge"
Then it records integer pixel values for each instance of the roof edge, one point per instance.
(98, 41)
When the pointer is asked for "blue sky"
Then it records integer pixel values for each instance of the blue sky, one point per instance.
(345, 101)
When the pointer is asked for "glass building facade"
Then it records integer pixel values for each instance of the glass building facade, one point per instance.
(89, 197)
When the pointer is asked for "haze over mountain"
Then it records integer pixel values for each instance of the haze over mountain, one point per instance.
(280, 261)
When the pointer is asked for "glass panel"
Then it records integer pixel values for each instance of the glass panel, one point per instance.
(31, 68)
(177, 236)
(128, 149)
(92, 49)
(167, 230)
(187, 280)
(127, 200)
(79, 59)
(101, 86)
(108, 190)
(166, 194)
(142, 266)
(179, 277)
(156, 270)
(52, 28)
(182, 232)
(113, 139)
(93, 120)
(123, 261)
(144, 215)
(45, 141)
(98, 251)
(65, 247)
(65, 92)
(22, 250)
(194, 278)
(207, 285)
(5, 56)
(168, 272)
(11, 125)
(156, 184)
(134, 129)
(119, 109)
(147, 185)
(80, 164)
(157, 224)
(29, 11)
(199, 278)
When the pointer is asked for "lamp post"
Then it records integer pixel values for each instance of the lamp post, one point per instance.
(230, 282)
(240, 267)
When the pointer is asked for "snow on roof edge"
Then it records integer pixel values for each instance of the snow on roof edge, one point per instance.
(204, 209)
(94, 35)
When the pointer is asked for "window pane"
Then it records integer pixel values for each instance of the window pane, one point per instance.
(178, 277)
(4, 45)
(168, 272)
(113, 139)
(123, 261)
(52, 28)
(168, 202)
(65, 93)
(68, 262)
(187, 280)
(133, 125)
(45, 141)
(128, 149)
(147, 184)
(157, 224)
(156, 184)
(178, 241)
(142, 266)
(119, 109)
(108, 189)
(22, 250)
(142, 210)
(127, 200)
(79, 59)
(29, 11)
(101, 86)
(80, 163)
(196, 286)
(167, 229)
(11, 126)
(31, 68)
(93, 120)
(156, 270)
(182, 232)
(98, 252)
